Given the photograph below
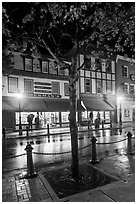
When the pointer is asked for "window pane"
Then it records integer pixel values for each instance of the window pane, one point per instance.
(28, 64)
(125, 71)
(104, 87)
(44, 67)
(13, 84)
(99, 86)
(82, 85)
(93, 86)
(93, 74)
(109, 76)
(82, 72)
(87, 73)
(66, 89)
(36, 65)
(93, 63)
(103, 65)
(87, 85)
(53, 67)
(104, 75)
(109, 88)
(113, 87)
(28, 86)
(132, 89)
(98, 75)
(126, 91)
(113, 66)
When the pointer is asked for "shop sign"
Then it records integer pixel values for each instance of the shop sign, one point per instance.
(45, 95)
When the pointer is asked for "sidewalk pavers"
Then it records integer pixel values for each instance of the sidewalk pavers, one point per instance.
(23, 190)
(38, 189)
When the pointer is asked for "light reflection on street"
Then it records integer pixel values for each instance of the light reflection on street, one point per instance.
(61, 144)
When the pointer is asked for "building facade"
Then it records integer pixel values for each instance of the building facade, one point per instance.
(125, 88)
(97, 88)
(44, 91)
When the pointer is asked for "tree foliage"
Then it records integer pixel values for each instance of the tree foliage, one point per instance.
(59, 26)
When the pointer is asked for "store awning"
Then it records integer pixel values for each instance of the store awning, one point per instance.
(96, 104)
(32, 104)
(24, 104)
(111, 102)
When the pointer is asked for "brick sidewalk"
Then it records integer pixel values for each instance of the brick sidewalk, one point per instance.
(23, 190)
(38, 190)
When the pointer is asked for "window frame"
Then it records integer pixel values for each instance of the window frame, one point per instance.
(25, 79)
(28, 58)
(88, 85)
(123, 71)
(9, 84)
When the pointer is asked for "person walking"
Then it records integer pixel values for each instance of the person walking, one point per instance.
(98, 116)
(37, 122)
(91, 116)
(30, 119)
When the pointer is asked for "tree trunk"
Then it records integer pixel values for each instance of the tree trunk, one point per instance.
(72, 118)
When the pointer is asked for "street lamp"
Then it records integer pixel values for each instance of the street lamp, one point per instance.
(120, 111)
(19, 95)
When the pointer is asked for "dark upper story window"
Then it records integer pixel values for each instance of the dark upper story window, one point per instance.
(36, 65)
(124, 71)
(28, 64)
(12, 84)
(53, 67)
(44, 66)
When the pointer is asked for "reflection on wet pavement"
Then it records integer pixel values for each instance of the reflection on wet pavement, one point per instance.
(62, 143)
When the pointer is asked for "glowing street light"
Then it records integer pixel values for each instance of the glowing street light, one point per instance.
(19, 95)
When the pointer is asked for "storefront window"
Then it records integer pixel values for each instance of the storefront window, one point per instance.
(64, 117)
(85, 116)
(107, 116)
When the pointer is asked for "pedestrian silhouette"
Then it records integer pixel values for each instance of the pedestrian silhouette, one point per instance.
(30, 119)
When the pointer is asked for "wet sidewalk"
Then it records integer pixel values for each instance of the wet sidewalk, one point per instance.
(38, 189)
(63, 130)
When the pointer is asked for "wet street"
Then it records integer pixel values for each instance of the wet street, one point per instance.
(57, 148)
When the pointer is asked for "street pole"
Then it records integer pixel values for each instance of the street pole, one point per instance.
(20, 126)
(120, 115)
